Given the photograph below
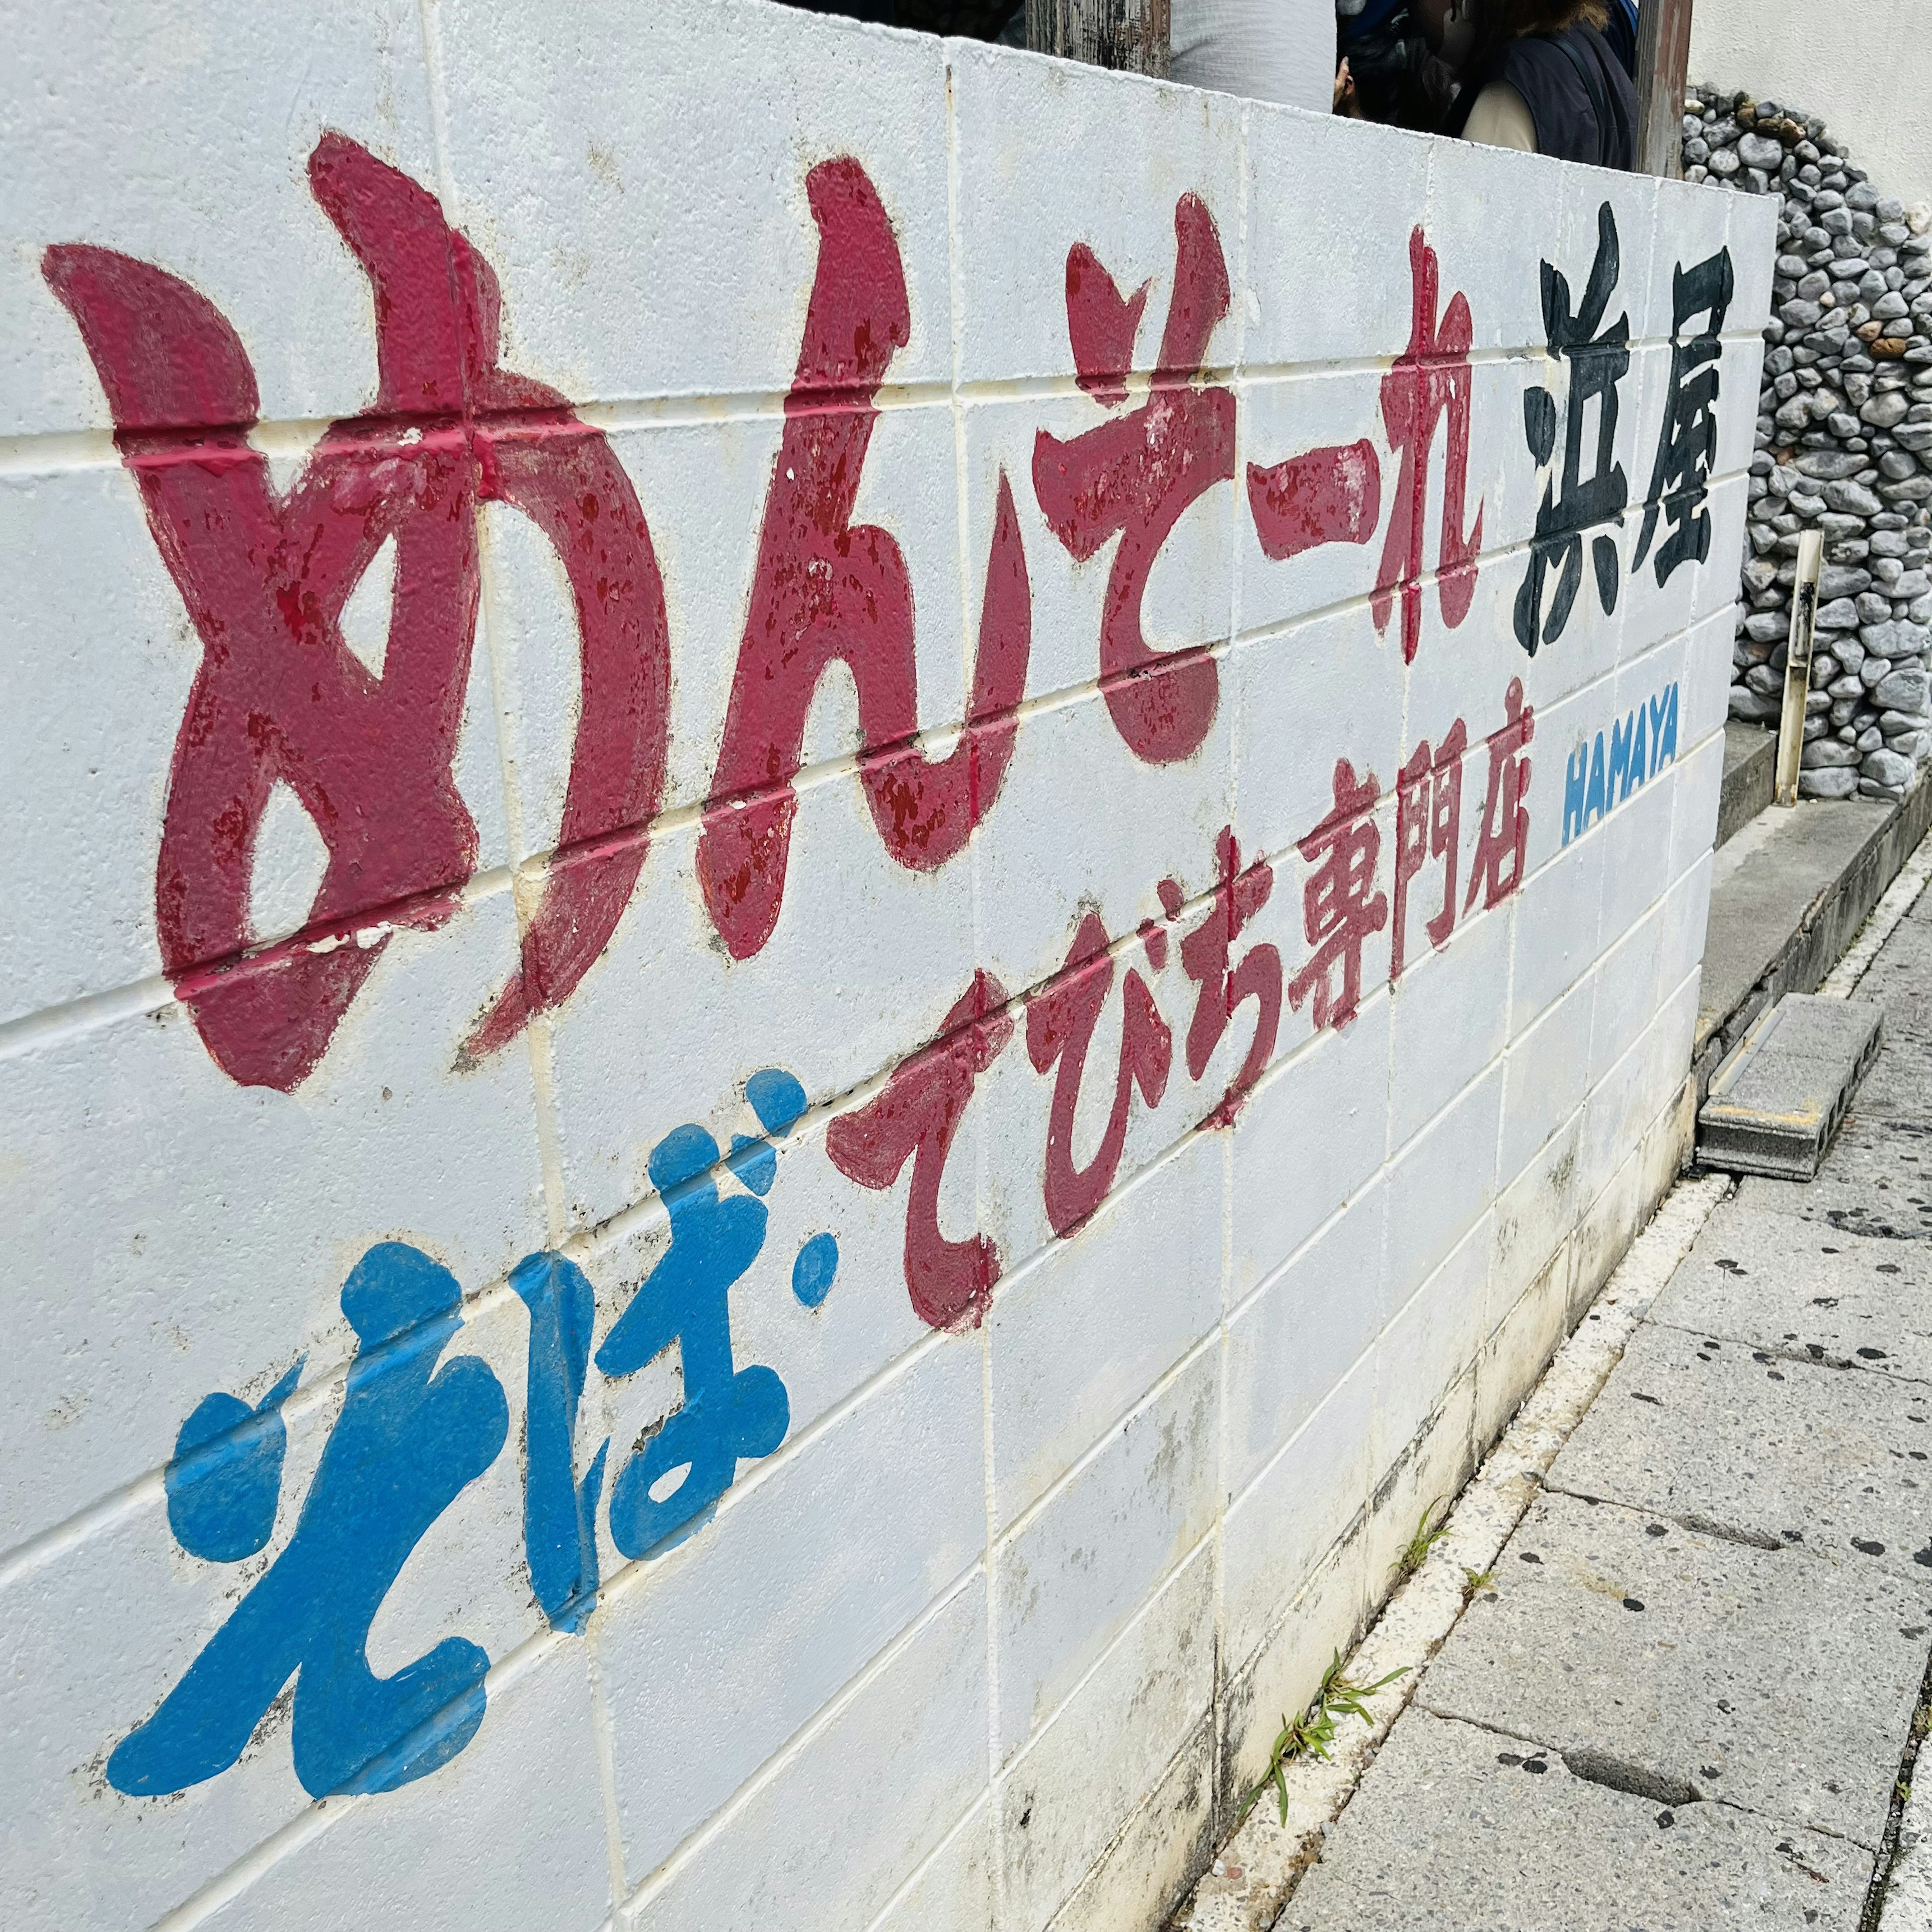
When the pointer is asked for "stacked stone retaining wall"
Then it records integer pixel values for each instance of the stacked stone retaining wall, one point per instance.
(1844, 444)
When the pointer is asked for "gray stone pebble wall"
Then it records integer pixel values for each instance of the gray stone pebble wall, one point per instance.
(1844, 444)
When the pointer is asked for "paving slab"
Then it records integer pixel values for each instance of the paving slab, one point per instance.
(1456, 1829)
(1907, 1000)
(1899, 981)
(1895, 1089)
(1904, 963)
(1764, 1447)
(1847, 1300)
(1679, 1666)
(1876, 1181)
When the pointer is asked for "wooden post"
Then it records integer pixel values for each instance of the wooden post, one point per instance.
(1662, 57)
(1129, 35)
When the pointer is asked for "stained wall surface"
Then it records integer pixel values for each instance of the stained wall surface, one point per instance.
(805, 995)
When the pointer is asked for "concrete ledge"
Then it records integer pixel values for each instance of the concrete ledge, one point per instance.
(1751, 776)
(1776, 1102)
(1788, 894)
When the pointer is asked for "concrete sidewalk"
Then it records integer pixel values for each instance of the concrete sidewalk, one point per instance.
(1686, 1698)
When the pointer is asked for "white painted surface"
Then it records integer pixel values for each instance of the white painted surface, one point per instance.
(1278, 50)
(1862, 66)
(988, 1639)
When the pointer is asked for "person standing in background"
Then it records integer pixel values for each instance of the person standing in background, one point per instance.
(1529, 74)
(1389, 69)
(1621, 32)
(1537, 75)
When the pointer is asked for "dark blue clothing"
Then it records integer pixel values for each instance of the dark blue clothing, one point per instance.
(1621, 33)
(1375, 15)
(1581, 101)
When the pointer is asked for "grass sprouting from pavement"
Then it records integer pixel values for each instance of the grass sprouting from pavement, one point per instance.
(1310, 1732)
(1415, 1552)
(1475, 1582)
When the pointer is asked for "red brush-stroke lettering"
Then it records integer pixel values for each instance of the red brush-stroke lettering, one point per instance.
(1502, 839)
(1134, 476)
(1332, 495)
(1428, 825)
(1339, 911)
(1430, 382)
(1205, 955)
(279, 695)
(826, 592)
(915, 1118)
(1060, 1020)
(1101, 324)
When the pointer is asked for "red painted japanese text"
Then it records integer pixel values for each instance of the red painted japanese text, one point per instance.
(951, 1283)
(1133, 476)
(280, 696)
(1340, 909)
(827, 592)
(1060, 1020)
(1206, 954)
(1430, 383)
(1502, 839)
(1428, 825)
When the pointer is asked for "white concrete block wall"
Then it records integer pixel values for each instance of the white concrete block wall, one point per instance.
(988, 1622)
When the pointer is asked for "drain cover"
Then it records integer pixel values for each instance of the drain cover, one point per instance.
(1777, 1100)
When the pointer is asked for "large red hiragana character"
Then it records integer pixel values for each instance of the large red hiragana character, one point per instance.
(1132, 477)
(279, 696)
(1338, 912)
(826, 592)
(1060, 1020)
(1430, 382)
(1502, 839)
(915, 1118)
(1428, 824)
(1205, 958)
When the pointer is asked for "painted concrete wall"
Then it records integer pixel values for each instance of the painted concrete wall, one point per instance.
(1863, 66)
(636, 1297)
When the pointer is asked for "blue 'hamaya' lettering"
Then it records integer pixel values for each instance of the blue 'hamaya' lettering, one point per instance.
(1639, 746)
(418, 1424)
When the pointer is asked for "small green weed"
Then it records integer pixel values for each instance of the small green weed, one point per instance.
(1415, 1552)
(1475, 1582)
(1310, 1733)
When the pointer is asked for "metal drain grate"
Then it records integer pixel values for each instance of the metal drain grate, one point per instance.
(1778, 1098)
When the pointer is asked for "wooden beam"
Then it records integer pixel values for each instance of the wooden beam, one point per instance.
(1131, 36)
(1662, 57)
